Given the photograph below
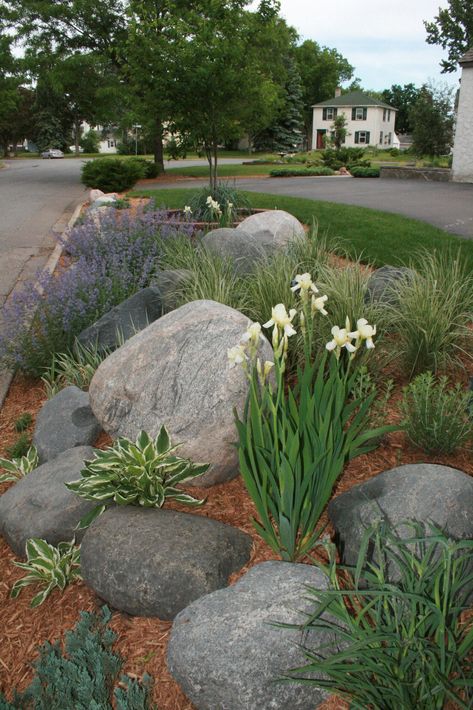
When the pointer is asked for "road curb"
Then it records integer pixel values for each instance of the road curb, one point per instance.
(6, 376)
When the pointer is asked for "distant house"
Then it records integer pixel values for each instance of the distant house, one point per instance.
(369, 121)
(462, 164)
(107, 140)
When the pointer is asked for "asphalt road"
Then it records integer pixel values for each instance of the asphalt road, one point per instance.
(444, 204)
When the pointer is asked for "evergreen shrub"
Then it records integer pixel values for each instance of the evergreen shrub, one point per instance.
(364, 172)
(112, 174)
(302, 172)
(85, 676)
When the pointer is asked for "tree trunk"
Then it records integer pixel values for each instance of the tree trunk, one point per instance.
(208, 155)
(76, 136)
(214, 181)
(158, 150)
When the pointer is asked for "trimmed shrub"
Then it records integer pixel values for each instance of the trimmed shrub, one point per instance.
(112, 174)
(362, 172)
(436, 416)
(149, 167)
(302, 172)
(85, 676)
(335, 159)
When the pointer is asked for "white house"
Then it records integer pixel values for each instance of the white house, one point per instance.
(462, 164)
(107, 141)
(369, 121)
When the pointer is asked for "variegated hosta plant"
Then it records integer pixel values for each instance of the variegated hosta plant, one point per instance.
(48, 566)
(18, 467)
(143, 473)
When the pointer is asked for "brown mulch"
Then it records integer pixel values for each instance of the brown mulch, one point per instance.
(143, 641)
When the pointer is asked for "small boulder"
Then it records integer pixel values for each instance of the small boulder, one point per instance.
(95, 194)
(64, 421)
(40, 505)
(273, 230)
(124, 320)
(242, 248)
(176, 372)
(420, 491)
(383, 284)
(168, 282)
(225, 652)
(153, 562)
(104, 201)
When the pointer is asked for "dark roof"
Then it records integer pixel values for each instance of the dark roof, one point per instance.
(467, 57)
(355, 98)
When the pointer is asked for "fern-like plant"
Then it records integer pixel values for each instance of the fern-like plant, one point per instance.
(144, 473)
(18, 467)
(48, 566)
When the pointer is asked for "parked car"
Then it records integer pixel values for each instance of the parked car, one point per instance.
(52, 153)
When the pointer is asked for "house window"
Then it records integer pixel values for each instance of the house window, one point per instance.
(386, 114)
(381, 137)
(358, 113)
(112, 143)
(329, 113)
(387, 139)
(362, 137)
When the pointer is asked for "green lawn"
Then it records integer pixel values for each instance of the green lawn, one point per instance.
(379, 237)
(224, 170)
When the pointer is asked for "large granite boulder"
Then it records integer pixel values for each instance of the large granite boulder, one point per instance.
(421, 491)
(168, 282)
(383, 284)
(64, 421)
(152, 562)
(243, 248)
(225, 653)
(176, 373)
(40, 505)
(124, 320)
(273, 230)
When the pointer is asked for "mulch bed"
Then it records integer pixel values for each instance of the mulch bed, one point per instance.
(142, 641)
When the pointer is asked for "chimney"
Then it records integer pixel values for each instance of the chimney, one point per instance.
(338, 91)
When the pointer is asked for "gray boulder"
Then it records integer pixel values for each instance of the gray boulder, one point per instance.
(152, 562)
(168, 282)
(176, 372)
(422, 492)
(243, 248)
(273, 230)
(64, 421)
(383, 284)
(124, 320)
(225, 653)
(40, 505)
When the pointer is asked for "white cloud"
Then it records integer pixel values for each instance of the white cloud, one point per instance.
(385, 42)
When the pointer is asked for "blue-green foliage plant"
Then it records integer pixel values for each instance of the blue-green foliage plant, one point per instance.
(398, 620)
(85, 676)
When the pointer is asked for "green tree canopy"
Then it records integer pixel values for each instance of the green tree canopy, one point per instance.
(403, 98)
(452, 29)
(321, 69)
(431, 118)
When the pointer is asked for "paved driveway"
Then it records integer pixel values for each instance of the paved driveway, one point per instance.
(445, 205)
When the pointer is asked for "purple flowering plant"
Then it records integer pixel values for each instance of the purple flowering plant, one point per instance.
(114, 255)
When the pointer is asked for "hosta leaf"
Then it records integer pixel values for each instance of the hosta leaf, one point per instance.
(163, 442)
(36, 547)
(89, 518)
(40, 598)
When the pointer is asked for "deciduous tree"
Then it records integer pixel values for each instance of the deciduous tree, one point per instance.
(452, 29)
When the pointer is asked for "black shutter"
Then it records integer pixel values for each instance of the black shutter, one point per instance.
(357, 136)
(367, 137)
(335, 112)
(324, 114)
(353, 114)
(365, 113)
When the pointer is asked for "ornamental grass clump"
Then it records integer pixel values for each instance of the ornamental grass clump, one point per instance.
(212, 204)
(76, 367)
(295, 439)
(112, 259)
(434, 313)
(399, 618)
(144, 473)
(436, 414)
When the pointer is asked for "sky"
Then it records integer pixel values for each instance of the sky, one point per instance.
(384, 41)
